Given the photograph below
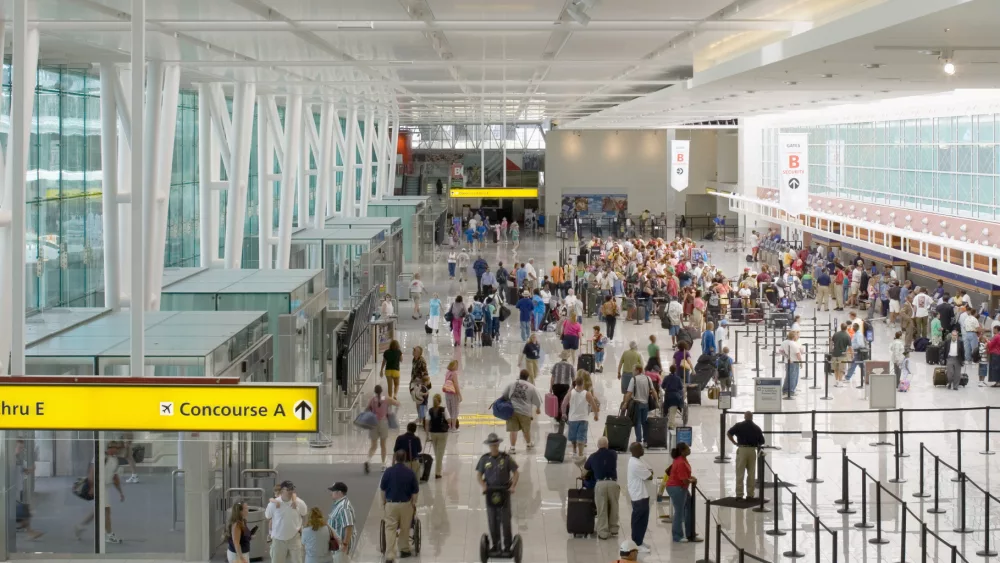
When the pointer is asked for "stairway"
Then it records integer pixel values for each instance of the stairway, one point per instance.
(411, 185)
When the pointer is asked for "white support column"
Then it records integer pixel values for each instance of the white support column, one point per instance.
(239, 175)
(482, 154)
(340, 148)
(139, 162)
(109, 188)
(384, 156)
(302, 184)
(150, 176)
(366, 163)
(324, 180)
(390, 183)
(124, 199)
(25, 62)
(207, 226)
(503, 141)
(265, 187)
(161, 191)
(350, 162)
(289, 172)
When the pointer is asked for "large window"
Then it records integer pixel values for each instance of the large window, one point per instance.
(944, 165)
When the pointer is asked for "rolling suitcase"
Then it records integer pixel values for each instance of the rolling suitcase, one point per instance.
(428, 464)
(487, 338)
(551, 405)
(940, 376)
(585, 362)
(581, 512)
(933, 355)
(618, 430)
(693, 394)
(656, 435)
(555, 447)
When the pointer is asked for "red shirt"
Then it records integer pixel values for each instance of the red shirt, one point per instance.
(993, 346)
(680, 472)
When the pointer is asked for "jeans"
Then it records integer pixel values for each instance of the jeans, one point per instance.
(678, 498)
(971, 340)
(871, 309)
(854, 366)
(791, 377)
(640, 519)
(611, 322)
(641, 421)
(647, 304)
(451, 269)
(525, 330)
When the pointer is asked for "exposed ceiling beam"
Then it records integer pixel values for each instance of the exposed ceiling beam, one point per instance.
(498, 63)
(493, 83)
(416, 25)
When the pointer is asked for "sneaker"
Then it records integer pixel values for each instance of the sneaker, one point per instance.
(982, 384)
(644, 548)
(531, 446)
(405, 554)
(78, 532)
(512, 451)
(133, 479)
(112, 538)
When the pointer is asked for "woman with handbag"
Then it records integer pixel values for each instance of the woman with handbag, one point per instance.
(452, 394)
(455, 315)
(319, 541)
(238, 534)
(379, 406)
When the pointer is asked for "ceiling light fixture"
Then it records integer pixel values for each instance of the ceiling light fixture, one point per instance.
(826, 76)
(872, 65)
(949, 67)
(790, 83)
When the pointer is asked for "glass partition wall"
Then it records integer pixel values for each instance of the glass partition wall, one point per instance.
(347, 256)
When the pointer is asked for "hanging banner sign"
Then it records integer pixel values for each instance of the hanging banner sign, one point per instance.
(680, 152)
(794, 161)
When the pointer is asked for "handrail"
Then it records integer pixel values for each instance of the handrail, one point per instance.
(260, 472)
(173, 498)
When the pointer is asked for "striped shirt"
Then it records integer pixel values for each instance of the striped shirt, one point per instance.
(342, 516)
(563, 373)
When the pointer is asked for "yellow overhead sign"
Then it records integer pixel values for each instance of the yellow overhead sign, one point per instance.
(160, 408)
(517, 193)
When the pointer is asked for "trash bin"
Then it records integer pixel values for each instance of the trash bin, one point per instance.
(258, 543)
(403, 286)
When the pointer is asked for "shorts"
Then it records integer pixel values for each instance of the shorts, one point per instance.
(421, 412)
(674, 329)
(520, 422)
(393, 373)
(894, 305)
(381, 430)
(570, 342)
(854, 288)
(577, 431)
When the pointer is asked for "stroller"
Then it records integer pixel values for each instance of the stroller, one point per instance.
(552, 317)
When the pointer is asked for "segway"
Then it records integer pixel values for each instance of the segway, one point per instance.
(498, 496)
(414, 535)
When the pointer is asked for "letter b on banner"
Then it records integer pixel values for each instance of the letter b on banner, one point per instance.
(793, 161)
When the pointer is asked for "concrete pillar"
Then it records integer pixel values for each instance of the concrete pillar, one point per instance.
(197, 485)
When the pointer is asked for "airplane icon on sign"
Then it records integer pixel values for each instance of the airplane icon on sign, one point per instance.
(166, 409)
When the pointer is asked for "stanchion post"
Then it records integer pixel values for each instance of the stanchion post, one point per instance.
(692, 533)
(708, 535)
(718, 543)
(987, 451)
(756, 348)
(921, 493)
(986, 551)
(878, 539)
(816, 538)
(923, 542)
(743, 555)
(844, 499)
(812, 430)
(958, 437)
(864, 501)
(902, 536)
(777, 510)
(826, 382)
(902, 449)
(721, 458)
(794, 553)
(937, 488)
(815, 480)
(897, 436)
(760, 489)
(962, 528)
(736, 346)
(836, 546)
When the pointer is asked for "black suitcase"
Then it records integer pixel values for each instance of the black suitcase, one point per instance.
(487, 338)
(585, 362)
(933, 355)
(428, 464)
(512, 295)
(656, 435)
(618, 430)
(693, 394)
(581, 512)
(555, 447)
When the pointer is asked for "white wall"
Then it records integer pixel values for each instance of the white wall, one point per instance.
(607, 162)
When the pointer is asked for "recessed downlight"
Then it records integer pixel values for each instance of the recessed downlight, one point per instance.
(790, 83)
(826, 76)
(872, 65)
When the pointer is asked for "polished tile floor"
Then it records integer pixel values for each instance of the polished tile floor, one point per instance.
(453, 513)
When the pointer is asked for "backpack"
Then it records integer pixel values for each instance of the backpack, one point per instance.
(722, 366)
(502, 276)
(713, 300)
(477, 311)
(467, 322)
(869, 331)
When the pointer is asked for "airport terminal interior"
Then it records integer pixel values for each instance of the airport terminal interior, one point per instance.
(805, 193)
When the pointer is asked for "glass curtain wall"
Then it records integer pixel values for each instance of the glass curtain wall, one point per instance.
(946, 165)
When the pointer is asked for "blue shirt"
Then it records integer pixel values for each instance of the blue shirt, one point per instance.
(903, 292)
(673, 391)
(708, 342)
(539, 303)
(522, 274)
(604, 464)
(435, 306)
(489, 278)
(525, 306)
(479, 266)
(823, 279)
(399, 483)
(410, 444)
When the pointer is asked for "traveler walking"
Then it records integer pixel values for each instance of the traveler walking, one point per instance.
(420, 384)
(563, 374)
(238, 534)
(316, 536)
(840, 346)
(452, 394)
(791, 351)
(399, 488)
(284, 517)
(639, 391)
(458, 312)
(379, 405)
(437, 425)
(391, 360)
(434, 314)
(531, 354)
(109, 476)
(604, 465)
(677, 488)
(748, 439)
(953, 354)
(524, 398)
(577, 407)
(525, 307)
(639, 474)
(609, 312)
(416, 294)
(626, 364)
(342, 521)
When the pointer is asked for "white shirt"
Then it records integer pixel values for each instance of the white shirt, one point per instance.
(286, 519)
(792, 350)
(532, 275)
(472, 224)
(579, 408)
(922, 303)
(675, 310)
(452, 257)
(638, 474)
(971, 323)
(953, 349)
(417, 287)
(721, 335)
(639, 387)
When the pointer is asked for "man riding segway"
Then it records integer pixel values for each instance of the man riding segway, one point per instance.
(498, 475)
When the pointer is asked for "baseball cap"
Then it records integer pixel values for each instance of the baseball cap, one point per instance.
(628, 546)
(338, 486)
